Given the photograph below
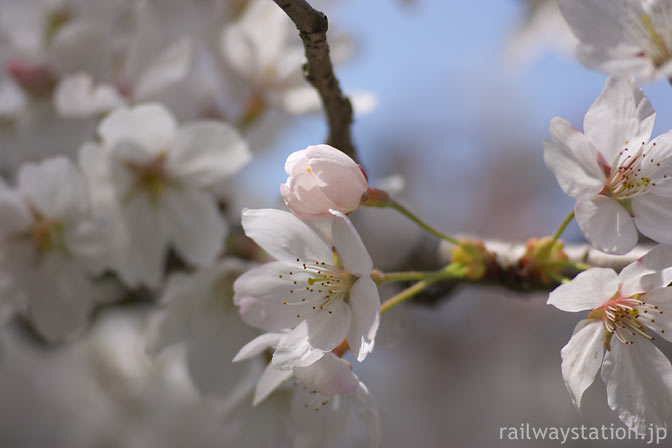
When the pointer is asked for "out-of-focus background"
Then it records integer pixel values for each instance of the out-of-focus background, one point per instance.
(465, 91)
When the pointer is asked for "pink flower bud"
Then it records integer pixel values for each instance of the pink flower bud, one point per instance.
(321, 178)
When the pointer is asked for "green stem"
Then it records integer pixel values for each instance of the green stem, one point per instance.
(454, 270)
(562, 227)
(406, 294)
(404, 211)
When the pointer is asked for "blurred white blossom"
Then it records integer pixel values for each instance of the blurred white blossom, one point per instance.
(151, 179)
(49, 245)
(626, 38)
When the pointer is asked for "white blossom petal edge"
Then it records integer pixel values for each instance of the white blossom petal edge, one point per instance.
(620, 179)
(628, 310)
(331, 291)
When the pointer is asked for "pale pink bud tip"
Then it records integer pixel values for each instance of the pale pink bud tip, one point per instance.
(322, 178)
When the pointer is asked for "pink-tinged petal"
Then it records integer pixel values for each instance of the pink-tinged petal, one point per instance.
(369, 413)
(194, 224)
(305, 198)
(322, 178)
(295, 350)
(586, 291)
(261, 294)
(55, 188)
(258, 345)
(206, 153)
(653, 217)
(606, 224)
(620, 117)
(573, 160)
(151, 126)
(284, 236)
(330, 375)
(349, 246)
(365, 311)
(269, 381)
(639, 384)
(297, 162)
(652, 270)
(582, 358)
(661, 315)
(329, 326)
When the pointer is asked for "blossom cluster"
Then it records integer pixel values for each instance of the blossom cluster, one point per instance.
(123, 125)
(620, 178)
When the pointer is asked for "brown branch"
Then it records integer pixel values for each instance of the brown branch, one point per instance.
(318, 70)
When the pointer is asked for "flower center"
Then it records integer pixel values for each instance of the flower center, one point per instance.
(151, 177)
(626, 318)
(315, 286)
(46, 234)
(625, 180)
(655, 46)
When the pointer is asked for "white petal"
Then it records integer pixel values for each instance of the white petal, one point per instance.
(14, 215)
(329, 326)
(652, 270)
(653, 217)
(582, 357)
(151, 126)
(365, 311)
(258, 345)
(349, 246)
(208, 152)
(369, 413)
(145, 246)
(285, 236)
(620, 117)
(606, 224)
(169, 67)
(295, 350)
(573, 160)
(657, 164)
(639, 384)
(269, 381)
(261, 292)
(662, 298)
(586, 291)
(330, 375)
(76, 96)
(193, 224)
(55, 188)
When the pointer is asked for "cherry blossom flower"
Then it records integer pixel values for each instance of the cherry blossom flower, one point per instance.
(323, 391)
(199, 315)
(322, 178)
(628, 311)
(619, 178)
(151, 180)
(49, 245)
(626, 38)
(331, 290)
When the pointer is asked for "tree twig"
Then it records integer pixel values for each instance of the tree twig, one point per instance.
(318, 70)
